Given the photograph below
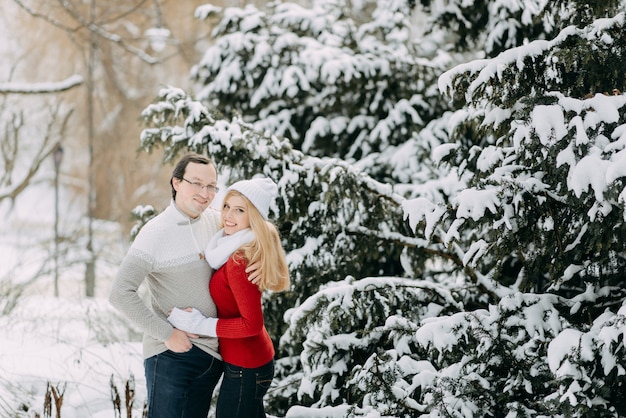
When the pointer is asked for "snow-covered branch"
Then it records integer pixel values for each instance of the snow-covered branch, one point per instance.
(41, 87)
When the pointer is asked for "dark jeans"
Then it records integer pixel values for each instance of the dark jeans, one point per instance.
(242, 391)
(181, 384)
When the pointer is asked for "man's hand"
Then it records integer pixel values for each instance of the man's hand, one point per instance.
(253, 273)
(179, 341)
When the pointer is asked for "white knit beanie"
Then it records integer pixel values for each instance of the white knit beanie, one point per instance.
(259, 191)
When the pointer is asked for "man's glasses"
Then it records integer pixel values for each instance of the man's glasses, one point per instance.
(199, 186)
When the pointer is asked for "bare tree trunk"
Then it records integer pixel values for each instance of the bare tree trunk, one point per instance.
(90, 273)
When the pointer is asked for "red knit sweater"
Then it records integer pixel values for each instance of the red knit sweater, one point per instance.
(243, 339)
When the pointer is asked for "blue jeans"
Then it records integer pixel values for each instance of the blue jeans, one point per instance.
(181, 384)
(242, 391)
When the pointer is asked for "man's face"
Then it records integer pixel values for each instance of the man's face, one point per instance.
(196, 190)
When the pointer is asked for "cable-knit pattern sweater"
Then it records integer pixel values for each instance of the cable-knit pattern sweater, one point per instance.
(166, 256)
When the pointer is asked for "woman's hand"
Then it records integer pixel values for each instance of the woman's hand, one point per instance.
(253, 273)
(191, 320)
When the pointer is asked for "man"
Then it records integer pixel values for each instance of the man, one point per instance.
(181, 369)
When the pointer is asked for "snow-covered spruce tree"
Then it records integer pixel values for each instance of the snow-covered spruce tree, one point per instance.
(494, 26)
(543, 162)
(337, 79)
(540, 143)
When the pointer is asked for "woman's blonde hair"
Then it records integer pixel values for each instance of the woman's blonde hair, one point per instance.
(266, 249)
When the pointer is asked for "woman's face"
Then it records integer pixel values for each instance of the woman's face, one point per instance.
(235, 215)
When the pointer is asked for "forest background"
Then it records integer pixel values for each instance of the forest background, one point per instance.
(451, 176)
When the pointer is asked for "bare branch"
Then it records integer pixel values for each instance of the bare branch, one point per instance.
(93, 27)
(111, 37)
(44, 150)
(45, 17)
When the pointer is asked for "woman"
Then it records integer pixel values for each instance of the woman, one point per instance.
(246, 237)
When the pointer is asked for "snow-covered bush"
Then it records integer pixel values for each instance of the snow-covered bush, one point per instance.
(492, 362)
(589, 367)
(353, 344)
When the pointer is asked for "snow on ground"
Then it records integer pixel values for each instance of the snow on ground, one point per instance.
(69, 344)
(76, 344)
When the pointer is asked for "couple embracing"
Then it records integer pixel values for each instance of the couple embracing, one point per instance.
(205, 271)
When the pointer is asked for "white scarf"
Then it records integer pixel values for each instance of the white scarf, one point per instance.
(221, 246)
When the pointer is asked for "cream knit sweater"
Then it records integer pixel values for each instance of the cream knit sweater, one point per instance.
(165, 254)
